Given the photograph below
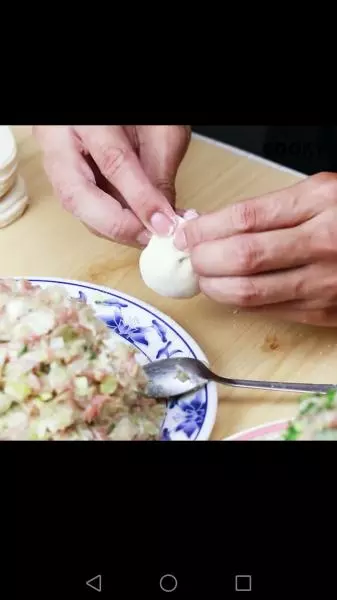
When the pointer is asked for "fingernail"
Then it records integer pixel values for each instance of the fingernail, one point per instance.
(162, 224)
(191, 214)
(180, 240)
(143, 238)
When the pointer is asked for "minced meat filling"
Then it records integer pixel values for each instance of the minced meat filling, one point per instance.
(60, 379)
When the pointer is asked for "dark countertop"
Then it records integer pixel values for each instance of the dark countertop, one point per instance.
(308, 149)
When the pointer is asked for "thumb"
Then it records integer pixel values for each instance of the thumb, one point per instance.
(196, 230)
(161, 150)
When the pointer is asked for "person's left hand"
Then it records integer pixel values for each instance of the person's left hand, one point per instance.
(118, 180)
(276, 253)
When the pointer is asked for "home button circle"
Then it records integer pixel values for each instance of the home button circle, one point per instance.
(168, 583)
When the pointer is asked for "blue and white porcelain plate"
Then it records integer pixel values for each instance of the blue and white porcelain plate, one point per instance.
(156, 336)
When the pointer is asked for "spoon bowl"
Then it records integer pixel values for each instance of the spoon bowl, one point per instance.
(172, 377)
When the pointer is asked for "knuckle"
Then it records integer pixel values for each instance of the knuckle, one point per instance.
(243, 216)
(300, 288)
(121, 229)
(325, 184)
(246, 255)
(247, 293)
(67, 195)
(321, 234)
(114, 230)
(166, 186)
(142, 202)
(112, 160)
(326, 241)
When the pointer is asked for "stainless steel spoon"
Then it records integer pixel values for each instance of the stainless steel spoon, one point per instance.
(172, 377)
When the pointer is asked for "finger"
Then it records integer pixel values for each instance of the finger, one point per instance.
(310, 304)
(319, 289)
(260, 290)
(58, 142)
(53, 137)
(319, 317)
(161, 150)
(112, 152)
(141, 241)
(254, 253)
(69, 174)
(277, 210)
(103, 183)
(61, 153)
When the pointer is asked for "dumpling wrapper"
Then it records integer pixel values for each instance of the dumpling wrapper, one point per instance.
(167, 270)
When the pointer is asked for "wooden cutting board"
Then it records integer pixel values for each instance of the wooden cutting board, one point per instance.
(47, 241)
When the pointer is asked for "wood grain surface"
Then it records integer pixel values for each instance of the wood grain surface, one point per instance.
(47, 241)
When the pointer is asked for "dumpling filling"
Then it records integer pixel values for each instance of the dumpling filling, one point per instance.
(60, 379)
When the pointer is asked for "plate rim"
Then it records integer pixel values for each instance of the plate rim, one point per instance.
(211, 388)
(277, 424)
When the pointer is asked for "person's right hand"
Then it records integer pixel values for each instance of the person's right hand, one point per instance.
(275, 254)
(119, 181)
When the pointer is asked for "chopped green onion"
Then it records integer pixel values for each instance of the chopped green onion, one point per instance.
(108, 385)
(330, 399)
(23, 350)
(292, 432)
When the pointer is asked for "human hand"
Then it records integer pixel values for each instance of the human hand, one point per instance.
(118, 180)
(276, 253)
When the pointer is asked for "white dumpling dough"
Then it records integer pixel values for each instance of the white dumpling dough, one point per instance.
(167, 270)
(8, 147)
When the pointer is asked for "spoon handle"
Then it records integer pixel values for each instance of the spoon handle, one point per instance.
(312, 388)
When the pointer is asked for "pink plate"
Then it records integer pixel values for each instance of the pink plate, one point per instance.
(267, 432)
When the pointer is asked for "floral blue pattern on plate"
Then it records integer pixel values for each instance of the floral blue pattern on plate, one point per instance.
(156, 336)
